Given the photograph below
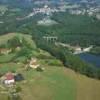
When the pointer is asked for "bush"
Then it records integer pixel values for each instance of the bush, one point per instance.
(54, 62)
(25, 52)
(39, 69)
(18, 89)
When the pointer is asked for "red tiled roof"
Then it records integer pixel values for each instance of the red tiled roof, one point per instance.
(9, 76)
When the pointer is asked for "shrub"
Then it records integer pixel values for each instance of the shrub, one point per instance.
(39, 69)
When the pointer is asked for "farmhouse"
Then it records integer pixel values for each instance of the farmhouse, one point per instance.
(9, 79)
(33, 63)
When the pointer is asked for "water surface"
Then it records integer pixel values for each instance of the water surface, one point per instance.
(90, 58)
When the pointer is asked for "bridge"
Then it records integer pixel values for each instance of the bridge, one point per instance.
(50, 38)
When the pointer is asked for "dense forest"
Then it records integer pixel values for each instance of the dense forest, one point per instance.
(82, 30)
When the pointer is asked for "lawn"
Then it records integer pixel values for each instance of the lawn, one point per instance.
(57, 83)
(87, 88)
(3, 96)
(51, 84)
(6, 67)
(28, 38)
(7, 58)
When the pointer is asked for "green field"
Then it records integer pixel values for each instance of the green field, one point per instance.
(57, 83)
(5, 38)
(51, 84)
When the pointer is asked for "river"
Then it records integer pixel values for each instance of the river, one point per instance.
(90, 58)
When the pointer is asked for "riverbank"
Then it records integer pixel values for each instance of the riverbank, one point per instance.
(75, 49)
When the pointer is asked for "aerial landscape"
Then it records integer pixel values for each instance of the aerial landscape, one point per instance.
(49, 49)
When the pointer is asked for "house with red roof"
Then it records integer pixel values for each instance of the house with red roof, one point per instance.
(9, 79)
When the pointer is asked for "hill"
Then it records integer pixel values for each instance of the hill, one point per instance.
(54, 83)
